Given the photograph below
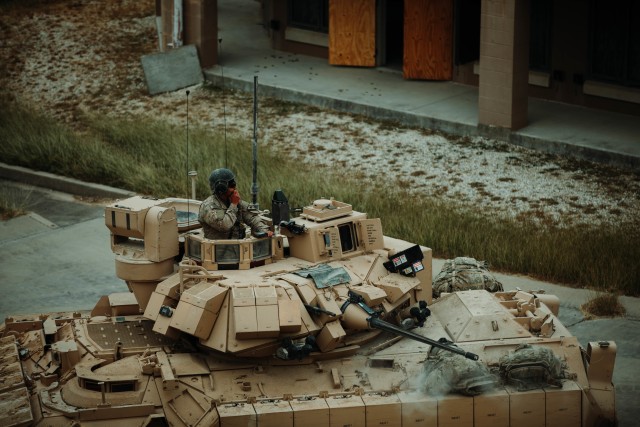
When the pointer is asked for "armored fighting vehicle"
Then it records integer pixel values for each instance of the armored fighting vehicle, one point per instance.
(326, 323)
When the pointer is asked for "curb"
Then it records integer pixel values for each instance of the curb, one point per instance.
(519, 137)
(61, 183)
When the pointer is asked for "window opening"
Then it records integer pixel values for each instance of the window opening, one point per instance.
(614, 44)
(195, 249)
(309, 15)
(227, 253)
(540, 35)
(261, 249)
(347, 237)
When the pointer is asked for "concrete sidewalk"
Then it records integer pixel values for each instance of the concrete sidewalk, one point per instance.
(382, 93)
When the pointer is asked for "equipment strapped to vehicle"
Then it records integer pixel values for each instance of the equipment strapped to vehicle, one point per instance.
(529, 367)
(463, 274)
(449, 373)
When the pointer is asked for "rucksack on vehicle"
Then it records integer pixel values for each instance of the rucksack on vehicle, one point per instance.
(529, 367)
(463, 274)
(448, 372)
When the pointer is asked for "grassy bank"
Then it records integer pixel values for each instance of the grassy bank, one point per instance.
(153, 158)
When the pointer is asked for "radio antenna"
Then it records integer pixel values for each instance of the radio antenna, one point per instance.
(187, 164)
(254, 186)
(224, 106)
(191, 175)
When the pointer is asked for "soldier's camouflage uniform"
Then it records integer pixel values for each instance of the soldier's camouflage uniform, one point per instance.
(222, 222)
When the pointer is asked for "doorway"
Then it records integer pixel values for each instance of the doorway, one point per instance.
(394, 34)
(414, 35)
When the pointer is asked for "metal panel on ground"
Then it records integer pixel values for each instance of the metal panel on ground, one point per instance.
(172, 70)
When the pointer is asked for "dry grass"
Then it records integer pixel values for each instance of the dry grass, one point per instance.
(13, 203)
(149, 157)
(603, 305)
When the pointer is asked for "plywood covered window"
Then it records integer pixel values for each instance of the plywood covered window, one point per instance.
(352, 32)
(428, 39)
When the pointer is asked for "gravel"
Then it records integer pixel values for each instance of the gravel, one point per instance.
(73, 58)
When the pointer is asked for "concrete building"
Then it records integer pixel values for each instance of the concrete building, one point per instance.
(581, 52)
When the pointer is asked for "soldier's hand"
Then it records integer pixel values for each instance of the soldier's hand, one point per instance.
(235, 197)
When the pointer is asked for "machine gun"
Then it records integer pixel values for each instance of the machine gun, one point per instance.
(377, 323)
(374, 322)
(312, 309)
(422, 312)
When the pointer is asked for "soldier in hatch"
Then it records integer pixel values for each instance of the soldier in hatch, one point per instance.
(223, 215)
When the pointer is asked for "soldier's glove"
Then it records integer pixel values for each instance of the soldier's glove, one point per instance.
(235, 197)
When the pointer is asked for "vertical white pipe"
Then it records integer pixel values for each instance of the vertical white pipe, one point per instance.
(177, 23)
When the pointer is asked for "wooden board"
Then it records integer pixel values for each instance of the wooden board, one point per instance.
(428, 39)
(352, 33)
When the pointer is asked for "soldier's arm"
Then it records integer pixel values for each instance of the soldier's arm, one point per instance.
(252, 218)
(219, 218)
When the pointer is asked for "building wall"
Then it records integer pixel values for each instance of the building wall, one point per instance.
(568, 53)
(466, 74)
(570, 63)
(566, 81)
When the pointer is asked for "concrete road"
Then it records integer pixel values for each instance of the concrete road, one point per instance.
(57, 258)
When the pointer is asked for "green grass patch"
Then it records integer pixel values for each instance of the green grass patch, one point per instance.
(153, 158)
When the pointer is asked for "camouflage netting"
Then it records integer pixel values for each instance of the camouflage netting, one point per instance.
(463, 274)
(448, 372)
(529, 367)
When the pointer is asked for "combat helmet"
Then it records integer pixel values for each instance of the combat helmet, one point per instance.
(220, 180)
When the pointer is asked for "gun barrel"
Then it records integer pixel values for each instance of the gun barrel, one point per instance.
(374, 322)
(318, 310)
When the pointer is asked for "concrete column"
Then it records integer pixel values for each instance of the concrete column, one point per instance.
(201, 29)
(168, 25)
(504, 63)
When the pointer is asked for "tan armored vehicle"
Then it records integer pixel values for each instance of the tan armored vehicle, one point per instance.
(327, 323)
